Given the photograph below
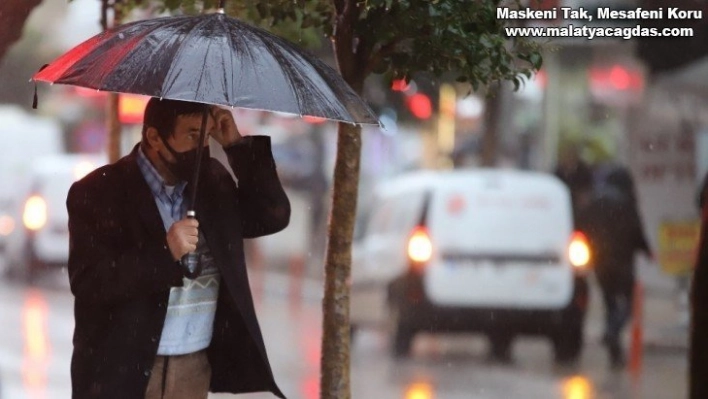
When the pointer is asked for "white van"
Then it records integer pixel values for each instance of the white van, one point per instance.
(25, 137)
(41, 239)
(489, 251)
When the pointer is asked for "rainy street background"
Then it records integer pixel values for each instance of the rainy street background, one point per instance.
(36, 353)
(593, 99)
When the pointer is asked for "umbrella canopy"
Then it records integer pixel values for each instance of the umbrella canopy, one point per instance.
(210, 58)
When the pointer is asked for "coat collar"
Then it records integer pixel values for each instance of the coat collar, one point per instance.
(139, 194)
(142, 199)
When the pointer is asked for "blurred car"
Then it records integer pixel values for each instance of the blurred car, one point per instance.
(488, 251)
(26, 137)
(41, 239)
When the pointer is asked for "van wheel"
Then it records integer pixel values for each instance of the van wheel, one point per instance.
(568, 344)
(400, 334)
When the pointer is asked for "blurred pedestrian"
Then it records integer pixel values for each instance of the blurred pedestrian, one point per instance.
(698, 337)
(146, 326)
(615, 231)
(577, 176)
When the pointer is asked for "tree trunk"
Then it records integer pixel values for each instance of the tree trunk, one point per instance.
(490, 136)
(113, 127)
(335, 363)
(13, 15)
(336, 328)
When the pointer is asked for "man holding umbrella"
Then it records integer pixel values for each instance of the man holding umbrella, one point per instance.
(148, 323)
(139, 322)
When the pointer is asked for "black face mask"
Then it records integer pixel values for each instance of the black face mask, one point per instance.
(183, 168)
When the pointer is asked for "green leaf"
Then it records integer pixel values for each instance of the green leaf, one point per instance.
(536, 60)
(172, 4)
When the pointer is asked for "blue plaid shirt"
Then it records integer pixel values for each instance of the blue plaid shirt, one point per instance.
(191, 308)
(174, 204)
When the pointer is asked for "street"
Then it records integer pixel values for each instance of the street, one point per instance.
(468, 163)
(36, 348)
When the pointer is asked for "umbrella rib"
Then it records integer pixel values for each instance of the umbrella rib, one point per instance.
(286, 68)
(294, 74)
(322, 72)
(156, 26)
(180, 50)
(231, 70)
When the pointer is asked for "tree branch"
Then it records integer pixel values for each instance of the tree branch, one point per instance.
(348, 12)
(13, 15)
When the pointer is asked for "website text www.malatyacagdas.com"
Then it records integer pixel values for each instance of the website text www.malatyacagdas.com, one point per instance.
(592, 32)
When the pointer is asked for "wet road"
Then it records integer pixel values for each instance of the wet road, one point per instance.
(35, 348)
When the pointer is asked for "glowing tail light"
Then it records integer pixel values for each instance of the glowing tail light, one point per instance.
(34, 216)
(579, 250)
(7, 225)
(420, 248)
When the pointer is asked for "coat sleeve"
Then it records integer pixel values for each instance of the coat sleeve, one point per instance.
(641, 242)
(264, 206)
(103, 266)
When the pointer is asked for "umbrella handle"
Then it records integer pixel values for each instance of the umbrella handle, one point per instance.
(191, 262)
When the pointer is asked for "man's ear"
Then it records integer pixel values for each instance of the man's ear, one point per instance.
(153, 138)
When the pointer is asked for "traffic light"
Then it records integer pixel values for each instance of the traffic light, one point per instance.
(616, 84)
(420, 106)
(616, 77)
(399, 85)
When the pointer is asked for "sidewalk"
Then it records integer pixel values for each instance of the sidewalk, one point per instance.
(666, 310)
(665, 323)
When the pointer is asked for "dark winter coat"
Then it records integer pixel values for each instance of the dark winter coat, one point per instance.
(121, 272)
(698, 354)
(579, 179)
(615, 232)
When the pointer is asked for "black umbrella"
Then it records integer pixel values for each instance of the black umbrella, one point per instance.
(210, 58)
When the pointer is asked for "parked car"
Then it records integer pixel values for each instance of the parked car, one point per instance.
(41, 240)
(486, 251)
(26, 137)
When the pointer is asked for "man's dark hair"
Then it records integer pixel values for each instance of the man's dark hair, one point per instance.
(162, 115)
